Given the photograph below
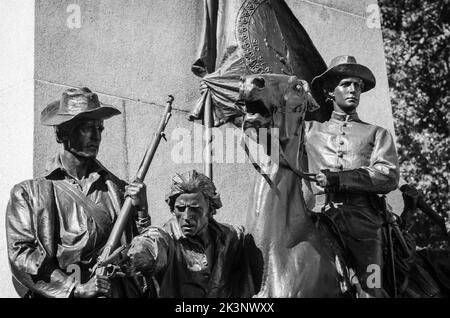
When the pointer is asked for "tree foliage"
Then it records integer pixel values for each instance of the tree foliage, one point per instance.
(417, 46)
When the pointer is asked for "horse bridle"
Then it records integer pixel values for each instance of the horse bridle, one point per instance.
(300, 174)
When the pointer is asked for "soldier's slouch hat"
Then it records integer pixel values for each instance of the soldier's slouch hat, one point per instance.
(76, 103)
(345, 66)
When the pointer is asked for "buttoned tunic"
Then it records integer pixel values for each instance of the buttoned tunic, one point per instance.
(364, 155)
(363, 162)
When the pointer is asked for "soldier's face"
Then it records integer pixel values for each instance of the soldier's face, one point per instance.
(191, 211)
(84, 141)
(347, 93)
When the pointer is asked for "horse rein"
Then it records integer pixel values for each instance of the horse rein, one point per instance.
(302, 175)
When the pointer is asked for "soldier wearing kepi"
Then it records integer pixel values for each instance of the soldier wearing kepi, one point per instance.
(354, 162)
(57, 224)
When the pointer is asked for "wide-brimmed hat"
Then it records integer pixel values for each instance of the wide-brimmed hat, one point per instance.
(345, 65)
(76, 103)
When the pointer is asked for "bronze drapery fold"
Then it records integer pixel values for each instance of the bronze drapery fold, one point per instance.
(245, 37)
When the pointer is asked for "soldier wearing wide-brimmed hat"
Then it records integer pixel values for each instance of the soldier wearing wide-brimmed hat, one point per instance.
(345, 66)
(76, 107)
(76, 104)
(57, 224)
(354, 162)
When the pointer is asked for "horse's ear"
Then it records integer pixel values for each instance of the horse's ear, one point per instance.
(306, 86)
(311, 104)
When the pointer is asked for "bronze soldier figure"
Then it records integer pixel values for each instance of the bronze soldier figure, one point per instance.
(354, 162)
(57, 224)
(428, 268)
(193, 255)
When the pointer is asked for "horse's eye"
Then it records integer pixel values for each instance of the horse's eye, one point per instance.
(298, 87)
(259, 82)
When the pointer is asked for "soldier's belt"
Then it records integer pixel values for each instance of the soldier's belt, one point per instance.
(345, 198)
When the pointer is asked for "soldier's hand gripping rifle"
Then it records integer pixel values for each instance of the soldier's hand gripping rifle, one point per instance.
(109, 253)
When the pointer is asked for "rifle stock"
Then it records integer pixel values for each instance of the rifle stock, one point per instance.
(125, 212)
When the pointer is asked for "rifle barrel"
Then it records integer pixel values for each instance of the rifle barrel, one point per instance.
(124, 215)
(431, 214)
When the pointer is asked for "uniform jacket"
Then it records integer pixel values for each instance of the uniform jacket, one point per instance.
(363, 155)
(180, 267)
(52, 225)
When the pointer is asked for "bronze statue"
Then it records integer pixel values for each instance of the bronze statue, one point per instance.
(193, 255)
(421, 272)
(299, 256)
(354, 161)
(57, 224)
(264, 37)
(305, 254)
(245, 37)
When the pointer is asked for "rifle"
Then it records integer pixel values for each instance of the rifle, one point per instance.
(425, 208)
(103, 266)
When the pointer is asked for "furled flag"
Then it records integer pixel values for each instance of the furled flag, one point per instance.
(241, 37)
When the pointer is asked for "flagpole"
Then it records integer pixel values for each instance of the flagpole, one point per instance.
(208, 122)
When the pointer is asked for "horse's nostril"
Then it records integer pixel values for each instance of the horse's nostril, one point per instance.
(259, 82)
